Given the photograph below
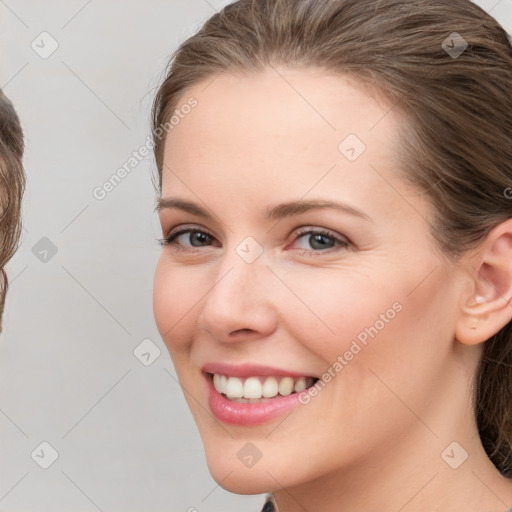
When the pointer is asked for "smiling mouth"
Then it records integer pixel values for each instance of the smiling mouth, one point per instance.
(258, 388)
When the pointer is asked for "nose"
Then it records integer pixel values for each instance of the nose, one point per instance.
(239, 304)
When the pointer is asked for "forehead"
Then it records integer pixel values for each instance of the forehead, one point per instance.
(281, 129)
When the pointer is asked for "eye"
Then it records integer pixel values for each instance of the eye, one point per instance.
(184, 238)
(319, 241)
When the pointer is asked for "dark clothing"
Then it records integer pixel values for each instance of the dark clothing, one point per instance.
(270, 504)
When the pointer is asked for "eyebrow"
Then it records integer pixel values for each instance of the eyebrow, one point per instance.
(276, 212)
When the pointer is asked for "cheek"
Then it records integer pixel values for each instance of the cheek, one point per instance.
(174, 298)
(340, 308)
(387, 322)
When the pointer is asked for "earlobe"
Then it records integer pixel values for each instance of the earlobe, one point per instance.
(487, 309)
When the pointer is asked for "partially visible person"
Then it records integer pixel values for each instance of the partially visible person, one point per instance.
(12, 186)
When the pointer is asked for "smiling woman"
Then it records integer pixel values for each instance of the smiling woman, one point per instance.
(335, 279)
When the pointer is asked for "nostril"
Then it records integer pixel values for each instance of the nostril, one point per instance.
(238, 332)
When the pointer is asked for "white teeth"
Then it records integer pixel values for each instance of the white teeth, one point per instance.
(234, 388)
(300, 385)
(270, 387)
(286, 386)
(223, 384)
(252, 388)
(216, 382)
(259, 387)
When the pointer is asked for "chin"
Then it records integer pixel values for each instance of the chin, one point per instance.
(247, 484)
(234, 477)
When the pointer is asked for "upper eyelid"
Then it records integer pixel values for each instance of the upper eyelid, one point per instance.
(184, 228)
(300, 230)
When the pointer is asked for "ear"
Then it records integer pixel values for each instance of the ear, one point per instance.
(487, 308)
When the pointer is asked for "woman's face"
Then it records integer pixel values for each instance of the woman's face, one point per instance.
(263, 282)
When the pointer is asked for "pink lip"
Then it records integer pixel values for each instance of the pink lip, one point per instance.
(236, 413)
(250, 370)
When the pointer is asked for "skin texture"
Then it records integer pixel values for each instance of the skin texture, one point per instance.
(372, 439)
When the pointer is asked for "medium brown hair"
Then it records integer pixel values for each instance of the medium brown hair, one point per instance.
(457, 146)
(12, 186)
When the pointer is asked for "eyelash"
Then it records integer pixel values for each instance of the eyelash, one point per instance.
(343, 243)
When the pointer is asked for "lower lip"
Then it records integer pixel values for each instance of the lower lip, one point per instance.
(236, 413)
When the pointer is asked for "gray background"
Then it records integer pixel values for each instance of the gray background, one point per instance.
(68, 374)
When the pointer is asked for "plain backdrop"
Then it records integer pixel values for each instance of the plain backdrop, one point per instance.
(85, 424)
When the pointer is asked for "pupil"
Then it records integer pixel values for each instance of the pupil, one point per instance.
(199, 237)
(322, 240)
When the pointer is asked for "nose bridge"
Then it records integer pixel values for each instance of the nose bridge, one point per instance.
(241, 269)
(238, 278)
(239, 297)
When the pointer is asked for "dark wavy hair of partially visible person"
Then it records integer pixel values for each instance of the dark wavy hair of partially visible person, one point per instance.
(12, 186)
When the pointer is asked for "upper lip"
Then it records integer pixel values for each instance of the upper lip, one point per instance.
(249, 370)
